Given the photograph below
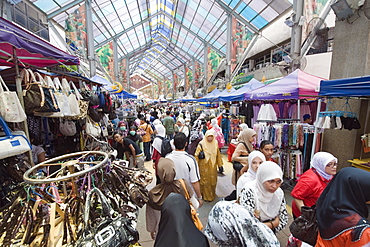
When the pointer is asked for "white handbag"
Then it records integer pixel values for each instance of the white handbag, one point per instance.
(92, 128)
(10, 107)
(62, 98)
(67, 127)
(73, 102)
(12, 143)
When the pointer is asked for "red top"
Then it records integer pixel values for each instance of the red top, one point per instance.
(309, 188)
(155, 157)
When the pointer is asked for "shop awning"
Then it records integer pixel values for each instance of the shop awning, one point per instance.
(238, 95)
(30, 49)
(355, 87)
(296, 85)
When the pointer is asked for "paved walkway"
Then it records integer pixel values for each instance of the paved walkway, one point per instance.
(224, 188)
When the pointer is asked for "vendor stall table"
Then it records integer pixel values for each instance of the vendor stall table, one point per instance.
(363, 164)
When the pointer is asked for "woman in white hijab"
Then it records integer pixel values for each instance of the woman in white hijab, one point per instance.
(312, 182)
(218, 131)
(264, 198)
(255, 159)
(157, 144)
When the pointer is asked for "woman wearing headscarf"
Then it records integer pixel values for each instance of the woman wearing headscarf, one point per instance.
(255, 159)
(196, 135)
(157, 195)
(208, 166)
(157, 144)
(218, 133)
(311, 184)
(342, 211)
(181, 127)
(122, 128)
(240, 157)
(264, 198)
(230, 224)
(176, 227)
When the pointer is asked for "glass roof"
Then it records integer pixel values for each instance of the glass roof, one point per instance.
(160, 36)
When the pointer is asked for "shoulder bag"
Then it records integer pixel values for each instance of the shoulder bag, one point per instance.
(201, 154)
(111, 231)
(193, 211)
(10, 107)
(12, 143)
(305, 227)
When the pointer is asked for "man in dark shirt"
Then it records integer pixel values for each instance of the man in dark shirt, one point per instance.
(131, 150)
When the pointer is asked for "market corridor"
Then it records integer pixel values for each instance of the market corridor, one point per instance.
(224, 187)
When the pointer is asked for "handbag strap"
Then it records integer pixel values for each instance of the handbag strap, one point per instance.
(5, 127)
(57, 84)
(187, 196)
(3, 85)
(106, 208)
(78, 95)
(25, 76)
(201, 146)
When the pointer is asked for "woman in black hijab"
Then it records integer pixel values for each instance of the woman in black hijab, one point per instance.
(176, 227)
(342, 211)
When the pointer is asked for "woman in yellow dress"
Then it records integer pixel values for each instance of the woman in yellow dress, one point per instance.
(209, 165)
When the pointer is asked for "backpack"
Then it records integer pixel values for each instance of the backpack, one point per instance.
(165, 147)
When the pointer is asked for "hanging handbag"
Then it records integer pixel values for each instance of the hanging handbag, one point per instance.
(67, 127)
(110, 231)
(82, 105)
(10, 107)
(12, 143)
(201, 154)
(305, 227)
(193, 211)
(89, 96)
(33, 95)
(51, 104)
(92, 128)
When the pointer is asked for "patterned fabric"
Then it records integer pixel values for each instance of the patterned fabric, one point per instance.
(230, 224)
(247, 199)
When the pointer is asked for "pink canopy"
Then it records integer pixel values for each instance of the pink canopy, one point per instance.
(297, 85)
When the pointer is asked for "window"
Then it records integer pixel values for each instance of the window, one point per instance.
(31, 18)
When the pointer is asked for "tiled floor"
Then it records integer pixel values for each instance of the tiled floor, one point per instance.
(224, 188)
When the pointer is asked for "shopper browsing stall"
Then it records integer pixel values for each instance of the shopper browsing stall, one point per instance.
(131, 151)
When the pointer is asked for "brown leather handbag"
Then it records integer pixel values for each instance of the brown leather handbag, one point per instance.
(193, 211)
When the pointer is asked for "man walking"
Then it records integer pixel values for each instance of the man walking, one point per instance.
(169, 124)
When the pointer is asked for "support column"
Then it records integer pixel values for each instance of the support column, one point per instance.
(193, 82)
(296, 39)
(173, 87)
(115, 60)
(205, 69)
(90, 38)
(185, 86)
(228, 48)
(128, 74)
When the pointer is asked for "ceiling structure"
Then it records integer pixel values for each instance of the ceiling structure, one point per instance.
(160, 36)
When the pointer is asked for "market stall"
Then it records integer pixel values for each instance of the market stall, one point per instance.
(238, 95)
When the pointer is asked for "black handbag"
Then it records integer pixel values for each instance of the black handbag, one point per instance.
(305, 227)
(110, 231)
(201, 154)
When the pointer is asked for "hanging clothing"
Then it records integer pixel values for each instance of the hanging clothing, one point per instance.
(218, 133)
(176, 227)
(230, 224)
(267, 112)
(342, 211)
(208, 166)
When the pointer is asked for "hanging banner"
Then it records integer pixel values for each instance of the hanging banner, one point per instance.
(197, 75)
(168, 85)
(240, 39)
(123, 78)
(175, 82)
(189, 78)
(214, 60)
(75, 30)
(311, 12)
(105, 54)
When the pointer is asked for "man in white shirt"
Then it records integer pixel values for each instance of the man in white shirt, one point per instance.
(185, 164)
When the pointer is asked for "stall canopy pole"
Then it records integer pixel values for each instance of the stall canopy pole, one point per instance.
(365, 127)
(299, 109)
(18, 82)
(316, 129)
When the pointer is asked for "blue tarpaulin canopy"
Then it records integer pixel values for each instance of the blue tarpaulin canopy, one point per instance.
(126, 95)
(355, 86)
(211, 96)
(238, 95)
